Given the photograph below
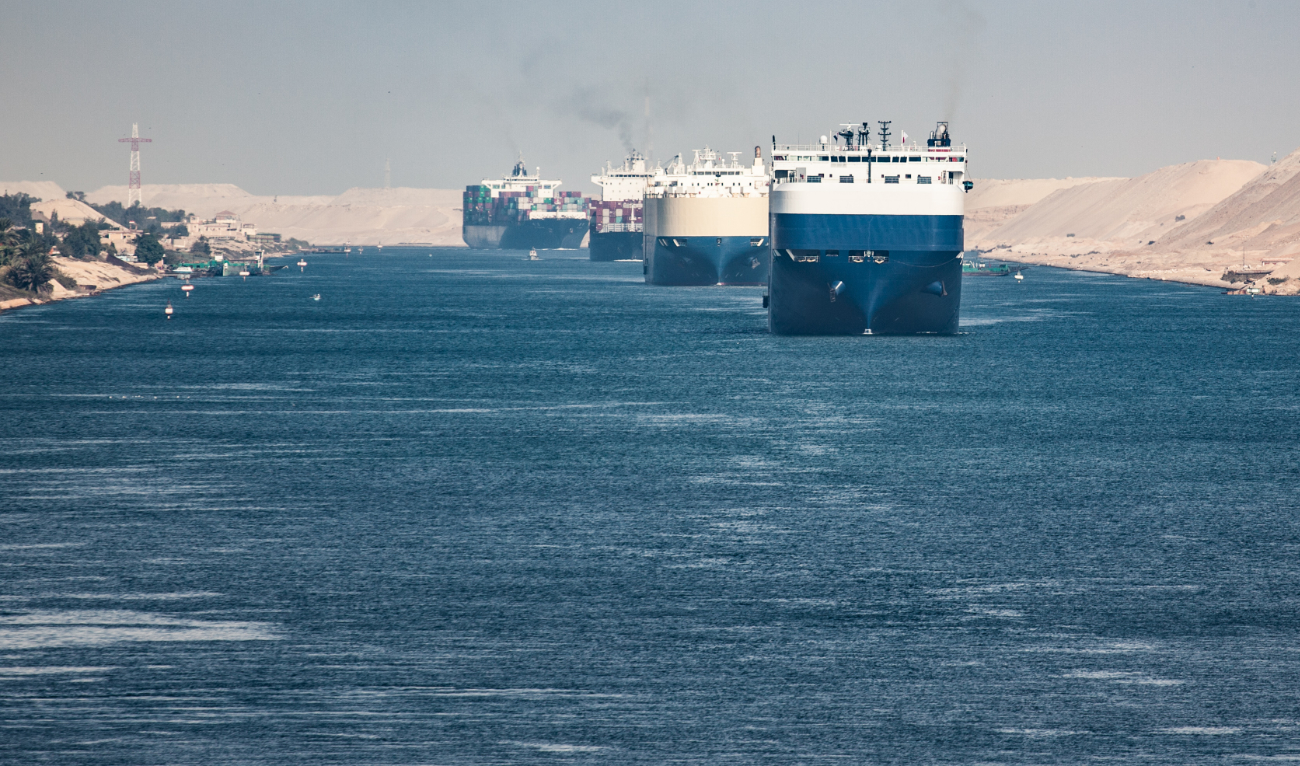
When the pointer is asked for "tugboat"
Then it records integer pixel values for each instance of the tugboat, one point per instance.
(532, 254)
(978, 268)
(867, 237)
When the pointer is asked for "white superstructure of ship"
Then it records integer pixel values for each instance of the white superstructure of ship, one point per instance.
(706, 221)
(616, 218)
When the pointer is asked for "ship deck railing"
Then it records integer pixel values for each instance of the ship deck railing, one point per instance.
(873, 148)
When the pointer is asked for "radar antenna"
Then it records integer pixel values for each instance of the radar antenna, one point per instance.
(847, 134)
(884, 133)
(864, 134)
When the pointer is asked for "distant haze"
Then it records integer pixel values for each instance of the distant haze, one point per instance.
(312, 97)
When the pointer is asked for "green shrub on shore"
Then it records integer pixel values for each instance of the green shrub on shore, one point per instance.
(82, 241)
(148, 249)
(17, 208)
(8, 241)
(140, 214)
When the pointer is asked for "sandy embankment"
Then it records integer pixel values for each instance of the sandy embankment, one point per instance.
(357, 216)
(104, 276)
(1185, 223)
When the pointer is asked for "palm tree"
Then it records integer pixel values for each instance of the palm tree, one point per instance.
(32, 272)
(8, 240)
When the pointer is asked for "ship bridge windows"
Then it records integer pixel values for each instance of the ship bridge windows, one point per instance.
(855, 158)
(913, 159)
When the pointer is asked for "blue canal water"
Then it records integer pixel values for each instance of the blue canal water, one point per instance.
(469, 509)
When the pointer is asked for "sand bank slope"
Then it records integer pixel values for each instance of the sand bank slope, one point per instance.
(70, 211)
(1126, 213)
(45, 190)
(358, 216)
(1118, 225)
(102, 275)
(993, 202)
(1262, 218)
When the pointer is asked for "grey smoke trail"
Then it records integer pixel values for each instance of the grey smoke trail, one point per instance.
(591, 104)
(959, 15)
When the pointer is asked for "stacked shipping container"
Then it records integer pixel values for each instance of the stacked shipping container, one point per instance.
(615, 215)
(481, 208)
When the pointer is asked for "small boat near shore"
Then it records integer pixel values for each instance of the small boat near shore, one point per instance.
(979, 268)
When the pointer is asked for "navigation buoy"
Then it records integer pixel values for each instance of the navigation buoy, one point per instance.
(169, 310)
(244, 274)
(187, 288)
(302, 264)
(1020, 277)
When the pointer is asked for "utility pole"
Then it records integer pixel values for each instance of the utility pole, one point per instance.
(134, 192)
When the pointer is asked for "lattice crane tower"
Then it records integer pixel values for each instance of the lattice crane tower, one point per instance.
(134, 192)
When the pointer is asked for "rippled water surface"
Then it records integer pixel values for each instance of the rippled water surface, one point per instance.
(468, 509)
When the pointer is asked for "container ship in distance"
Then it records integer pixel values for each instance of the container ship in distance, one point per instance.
(706, 223)
(616, 220)
(522, 211)
(867, 238)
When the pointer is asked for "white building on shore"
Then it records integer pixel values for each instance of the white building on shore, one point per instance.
(224, 225)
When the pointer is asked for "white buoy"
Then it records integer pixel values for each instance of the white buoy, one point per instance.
(302, 264)
(244, 274)
(169, 310)
(1019, 277)
(187, 288)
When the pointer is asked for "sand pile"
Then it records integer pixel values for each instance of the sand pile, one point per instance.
(44, 190)
(993, 202)
(1125, 213)
(358, 216)
(204, 200)
(70, 211)
(1121, 225)
(1262, 218)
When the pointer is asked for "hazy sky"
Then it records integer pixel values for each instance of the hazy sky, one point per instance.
(311, 97)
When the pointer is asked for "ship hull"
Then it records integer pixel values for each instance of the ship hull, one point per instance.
(616, 245)
(706, 241)
(708, 261)
(904, 279)
(547, 234)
